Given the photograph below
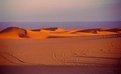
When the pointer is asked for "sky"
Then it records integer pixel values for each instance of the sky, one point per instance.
(59, 10)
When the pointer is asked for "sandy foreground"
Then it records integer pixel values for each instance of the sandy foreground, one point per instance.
(93, 50)
(68, 55)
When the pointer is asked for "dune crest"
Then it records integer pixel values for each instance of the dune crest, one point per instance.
(19, 33)
(97, 32)
(37, 35)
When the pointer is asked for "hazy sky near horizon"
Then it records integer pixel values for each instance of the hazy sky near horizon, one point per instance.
(60, 10)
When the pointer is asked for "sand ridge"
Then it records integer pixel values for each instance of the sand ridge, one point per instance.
(19, 33)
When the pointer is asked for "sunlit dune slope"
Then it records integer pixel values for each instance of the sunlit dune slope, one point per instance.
(48, 34)
(13, 33)
(60, 30)
(37, 35)
(105, 33)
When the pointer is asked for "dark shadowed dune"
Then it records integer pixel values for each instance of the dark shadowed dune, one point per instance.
(94, 31)
(35, 30)
(90, 30)
(114, 30)
(59, 70)
(51, 29)
(58, 37)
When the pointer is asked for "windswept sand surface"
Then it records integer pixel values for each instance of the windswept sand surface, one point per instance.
(92, 50)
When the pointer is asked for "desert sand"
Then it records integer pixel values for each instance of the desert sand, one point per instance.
(44, 33)
(59, 47)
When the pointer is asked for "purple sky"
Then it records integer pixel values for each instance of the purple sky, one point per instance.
(60, 10)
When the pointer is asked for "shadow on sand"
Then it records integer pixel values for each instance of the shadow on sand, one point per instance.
(60, 69)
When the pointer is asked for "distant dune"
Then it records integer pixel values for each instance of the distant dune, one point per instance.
(50, 29)
(54, 29)
(96, 32)
(114, 30)
(37, 35)
(54, 32)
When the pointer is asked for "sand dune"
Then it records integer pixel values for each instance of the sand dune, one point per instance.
(98, 33)
(42, 34)
(13, 32)
(60, 30)
(55, 29)
(93, 32)
(114, 30)
(19, 33)
(37, 35)
(50, 29)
